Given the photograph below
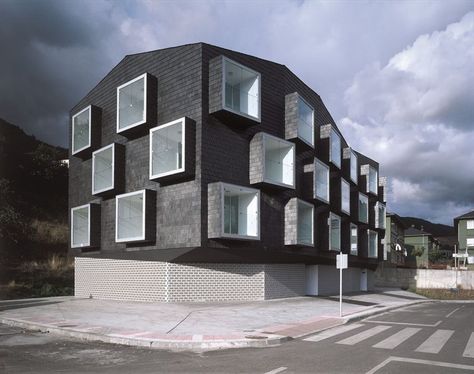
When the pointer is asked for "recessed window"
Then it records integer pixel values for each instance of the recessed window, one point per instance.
(305, 223)
(81, 130)
(354, 167)
(335, 148)
(130, 216)
(241, 216)
(167, 144)
(380, 215)
(80, 226)
(305, 122)
(354, 249)
(279, 161)
(103, 169)
(470, 224)
(372, 181)
(334, 232)
(242, 89)
(363, 208)
(345, 197)
(131, 103)
(373, 238)
(321, 181)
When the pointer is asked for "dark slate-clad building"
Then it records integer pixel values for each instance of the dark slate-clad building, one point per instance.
(202, 174)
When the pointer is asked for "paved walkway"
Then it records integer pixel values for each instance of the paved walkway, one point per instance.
(198, 325)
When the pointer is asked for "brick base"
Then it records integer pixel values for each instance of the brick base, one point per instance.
(164, 281)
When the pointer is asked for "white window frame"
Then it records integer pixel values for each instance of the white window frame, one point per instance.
(94, 192)
(353, 157)
(135, 238)
(358, 205)
(322, 164)
(371, 168)
(183, 153)
(331, 159)
(312, 122)
(88, 243)
(298, 203)
(292, 145)
(74, 151)
(224, 106)
(331, 215)
(470, 224)
(345, 183)
(353, 226)
(243, 189)
(376, 243)
(145, 102)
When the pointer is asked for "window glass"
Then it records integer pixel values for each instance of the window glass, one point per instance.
(354, 168)
(103, 169)
(373, 180)
(345, 197)
(80, 226)
(305, 122)
(470, 242)
(321, 175)
(167, 155)
(81, 128)
(305, 223)
(335, 232)
(372, 244)
(131, 104)
(241, 89)
(363, 208)
(354, 249)
(381, 215)
(240, 212)
(470, 224)
(279, 161)
(335, 151)
(130, 212)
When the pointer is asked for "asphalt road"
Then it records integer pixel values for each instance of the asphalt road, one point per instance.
(425, 338)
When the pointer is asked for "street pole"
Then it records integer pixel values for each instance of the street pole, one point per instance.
(340, 292)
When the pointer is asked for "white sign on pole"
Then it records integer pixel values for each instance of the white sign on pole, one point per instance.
(341, 261)
(460, 255)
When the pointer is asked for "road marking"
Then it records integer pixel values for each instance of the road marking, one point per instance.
(418, 361)
(277, 370)
(406, 324)
(435, 342)
(454, 311)
(469, 350)
(396, 339)
(363, 335)
(333, 332)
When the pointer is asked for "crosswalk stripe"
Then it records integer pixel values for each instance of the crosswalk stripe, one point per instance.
(435, 342)
(469, 350)
(396, 339)
(363, 335)
(333, 332)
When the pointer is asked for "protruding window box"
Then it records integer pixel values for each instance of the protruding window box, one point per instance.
(379, 215)
(234, 92)
(345, 197)
(85, 226)
(319, 180)
(299, 120)
(351, 164)
(299, 223)
(108, 165)
(371, 178)
(172, 150)
(85, 131)
(332, 144)
(233, 212)
(363, 208)
(372, 244)
(135, 216)
(272, 161)
(136, 105)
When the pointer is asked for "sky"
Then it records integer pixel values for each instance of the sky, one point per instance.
(397, 76)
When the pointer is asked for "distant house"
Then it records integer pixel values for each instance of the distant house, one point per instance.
(419, 244)
(394, 244)
(464, 226)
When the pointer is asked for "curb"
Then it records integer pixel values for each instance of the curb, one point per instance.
(169, 344)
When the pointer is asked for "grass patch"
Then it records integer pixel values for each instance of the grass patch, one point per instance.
(51, 277)
(446, 294)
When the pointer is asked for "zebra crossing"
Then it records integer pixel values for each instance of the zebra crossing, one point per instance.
(433, 344)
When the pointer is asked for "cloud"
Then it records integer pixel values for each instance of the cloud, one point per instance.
(415, 115)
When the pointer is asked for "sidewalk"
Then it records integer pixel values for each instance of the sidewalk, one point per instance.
(196, 326)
